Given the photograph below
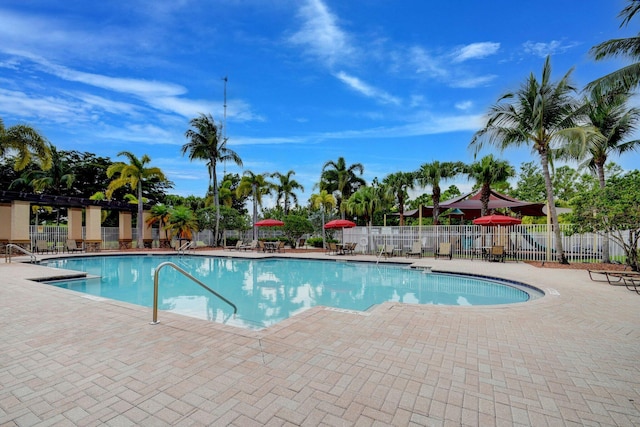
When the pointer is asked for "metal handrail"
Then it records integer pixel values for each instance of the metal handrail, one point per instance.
(182, 249)
(7, 253)
(155, 289)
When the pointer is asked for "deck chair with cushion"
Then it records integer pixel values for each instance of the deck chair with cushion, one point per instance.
(496, 253)
(237, 246)
(72, 246)
(416, 250)
(280, 247)
(444, 250)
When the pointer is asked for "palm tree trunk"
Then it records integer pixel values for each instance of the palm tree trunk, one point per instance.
(436, 205)
(255, 211)
(606, 258)
(485, 194)
(216, 202)
(544, 160)
(139, 223)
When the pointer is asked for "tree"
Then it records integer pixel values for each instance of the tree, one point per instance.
(627, 77)
(296, 226)
(323, 201)
(341, 180)
(612, 211)
(257, 186)
(206, 143)
(134, 175)
(487, 172)
(431, 174)
(397, 185)
(27, 142)
(57, 178)
(182, 222)
(285, 189)
(159, 214)
(543, 114)
(530, 184)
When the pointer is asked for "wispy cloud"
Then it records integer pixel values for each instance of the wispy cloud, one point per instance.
(425, 63)
(548, 48)
(320, 34)
(476, 51)
(471, 82)
(366, 89)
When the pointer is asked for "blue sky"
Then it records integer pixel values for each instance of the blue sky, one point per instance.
(386, 83)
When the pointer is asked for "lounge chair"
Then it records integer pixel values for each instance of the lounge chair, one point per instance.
(72, 246)
(386, 250)
(444, 250)
(280, 247)
(496, 253)
(416, 250)
(632, 282)
(237, 246)
(613, 277)
(42, 246)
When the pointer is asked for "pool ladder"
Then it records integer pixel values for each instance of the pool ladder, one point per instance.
(189, 276)
(7, 253)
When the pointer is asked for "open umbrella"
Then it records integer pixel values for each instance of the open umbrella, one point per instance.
(270, 222)
(497, 220)
(340, 223)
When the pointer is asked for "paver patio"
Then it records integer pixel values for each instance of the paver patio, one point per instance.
(569, 358)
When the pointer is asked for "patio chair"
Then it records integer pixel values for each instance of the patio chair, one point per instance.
(42, 246)
(72, 246)
(416, 250)
(386, 250)
(349, 248)
(280, 247)
(444, 250)
(497, 253)
(332, 249)
(237, 246)
(260, 247)
(613, 277)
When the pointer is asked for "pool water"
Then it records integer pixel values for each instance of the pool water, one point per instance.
(267, 291)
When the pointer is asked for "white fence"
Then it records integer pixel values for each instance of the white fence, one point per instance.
(525, 242)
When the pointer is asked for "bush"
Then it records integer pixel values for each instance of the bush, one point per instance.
(316, 242)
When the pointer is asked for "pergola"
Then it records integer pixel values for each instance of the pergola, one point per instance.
(15, 214)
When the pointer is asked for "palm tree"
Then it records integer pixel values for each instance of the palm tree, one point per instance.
(432, 174)
(134, 175)
(341, 180)
(323, 201)
(257, 186)
(613, 121)
(159, 214)
(182, 222)
(397, 185)
(27, 142)
(487, 172)
(55, 179)
(542, 114)
(365, 203)
(628, 77)
(206, 143)
(285, 189)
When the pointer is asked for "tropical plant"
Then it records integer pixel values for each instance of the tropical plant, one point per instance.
(182, 222)
(27, 142)
(206, 143)
(431, 174)
(296, 226)
(285, 188)
(487, 172)
(397, 185)
(57, 178)
(627, 77)
(134, 174)
(543, 114)
(341, 180)
(159, 214)
(257, 186)
(323, 201)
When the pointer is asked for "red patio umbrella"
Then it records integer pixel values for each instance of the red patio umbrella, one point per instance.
(340, 223)
(497, 220)
(270, 222)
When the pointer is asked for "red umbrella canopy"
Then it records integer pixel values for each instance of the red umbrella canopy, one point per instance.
(497, 220)
(340, 223)
(270, 222)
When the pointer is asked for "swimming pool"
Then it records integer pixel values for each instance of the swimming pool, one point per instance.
(267, 291)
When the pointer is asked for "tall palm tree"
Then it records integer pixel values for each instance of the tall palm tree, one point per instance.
(341, 180)
(397, 185)
(542, 113)
(133, 174)
(55, 179)
(257, 186)
(285, 189)
(29, 144)
(487, 172)
(627, 77)
(432, 174)
(613, 122)
(207, 143)
(323, 201)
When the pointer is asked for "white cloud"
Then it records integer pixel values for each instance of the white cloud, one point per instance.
(471, 82)
(476, 51)
(425, 63)
(366, 89)
(464, 105)
(550, 48)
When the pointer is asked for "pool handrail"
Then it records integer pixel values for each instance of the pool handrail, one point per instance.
(8, 252)
(189, 276)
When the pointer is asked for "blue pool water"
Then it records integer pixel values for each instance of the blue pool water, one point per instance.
(267, 291)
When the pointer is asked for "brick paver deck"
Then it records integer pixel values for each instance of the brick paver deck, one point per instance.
(569, 358)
